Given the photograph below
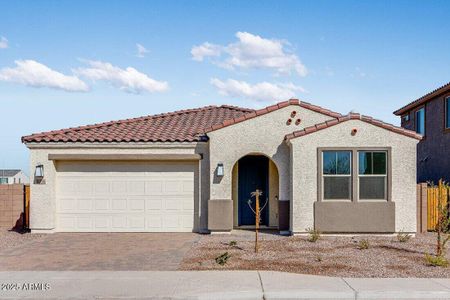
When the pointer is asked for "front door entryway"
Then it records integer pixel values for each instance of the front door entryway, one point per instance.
(253, 174)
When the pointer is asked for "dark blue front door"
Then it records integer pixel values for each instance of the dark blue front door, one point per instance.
(253, 174)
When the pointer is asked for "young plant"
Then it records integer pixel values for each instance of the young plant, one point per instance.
(443, 220)
(232, 243)
(403, 237)
(313, 235)
(363, 244)
(223, 258)
(436, 261)
(257, 211)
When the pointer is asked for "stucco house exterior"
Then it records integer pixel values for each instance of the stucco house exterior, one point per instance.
(194, 170)
(430, 116)
(13, 176)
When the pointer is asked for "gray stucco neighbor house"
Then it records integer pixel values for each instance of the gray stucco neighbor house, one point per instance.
(194, 170)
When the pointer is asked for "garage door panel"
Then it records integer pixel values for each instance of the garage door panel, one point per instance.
(91, 198)
(119, 204)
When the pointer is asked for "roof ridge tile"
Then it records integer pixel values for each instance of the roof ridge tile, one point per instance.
(348, 117)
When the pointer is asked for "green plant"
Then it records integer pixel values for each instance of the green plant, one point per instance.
(232, 243)
(319, 258)
(403, 237)
(313, 235)
(363, 244)
(436, 261)
(223, 258)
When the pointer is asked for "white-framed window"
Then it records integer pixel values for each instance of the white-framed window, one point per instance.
(3, 180)
(337, 175)
(447, 113)
(420, 121)
(372, 175)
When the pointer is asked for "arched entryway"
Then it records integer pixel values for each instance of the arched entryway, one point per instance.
(251, 172)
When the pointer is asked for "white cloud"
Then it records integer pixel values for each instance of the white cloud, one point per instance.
(129, 80)
(35, 74)
(141, 50)
(263, 91)
(253, 52)
(3, 43)
(204, 50)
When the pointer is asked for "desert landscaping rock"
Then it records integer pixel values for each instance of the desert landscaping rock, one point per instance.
(11, 239)
(329, 256)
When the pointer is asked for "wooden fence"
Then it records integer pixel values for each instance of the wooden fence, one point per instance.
(434, 195)
(428, 205)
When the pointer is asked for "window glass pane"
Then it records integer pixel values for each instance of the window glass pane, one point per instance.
(337, 187)
(343, 162)
(365, 162)
(329, 162)
(420, 121)
(447, 114)
(372, 187)
(379, 163)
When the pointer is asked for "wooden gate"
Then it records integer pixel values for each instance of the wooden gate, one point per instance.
(434, 195)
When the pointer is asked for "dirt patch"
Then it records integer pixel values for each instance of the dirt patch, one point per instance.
(330, 256)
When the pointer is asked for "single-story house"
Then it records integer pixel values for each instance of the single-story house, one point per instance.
(195, 169)
(13, 176)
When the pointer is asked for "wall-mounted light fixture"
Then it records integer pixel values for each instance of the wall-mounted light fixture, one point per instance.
(39, 174)
(220, 171)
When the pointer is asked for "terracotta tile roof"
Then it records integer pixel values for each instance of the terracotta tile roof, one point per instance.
(179, 126)
(443, 89)
(271, 108)
(352, 116)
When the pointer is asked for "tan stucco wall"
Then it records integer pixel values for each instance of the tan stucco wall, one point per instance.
(273, 194)
(260, 135)
(43, 203)
(304, 169)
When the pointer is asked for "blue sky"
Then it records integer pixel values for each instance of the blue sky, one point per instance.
(66, 64)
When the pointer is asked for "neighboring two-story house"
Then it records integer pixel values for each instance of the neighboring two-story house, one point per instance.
(8, 176)
(430, 117)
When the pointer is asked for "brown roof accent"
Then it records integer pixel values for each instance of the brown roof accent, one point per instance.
(352, 116)
(271, 108)
(179, 126)
(443, 89)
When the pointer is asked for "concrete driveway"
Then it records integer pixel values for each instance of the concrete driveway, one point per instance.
(99, 251)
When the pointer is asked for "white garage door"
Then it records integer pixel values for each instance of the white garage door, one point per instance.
(125, 197)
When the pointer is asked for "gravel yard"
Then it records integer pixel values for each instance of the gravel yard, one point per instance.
(11, 239)
(329, 256)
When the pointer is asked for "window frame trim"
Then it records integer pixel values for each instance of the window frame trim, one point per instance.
(446, 113)
(337, 175)
(424, 119)
(354, 174)
(386, 176)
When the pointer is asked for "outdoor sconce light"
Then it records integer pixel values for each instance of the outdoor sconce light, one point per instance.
(39, 174)
(220, 169)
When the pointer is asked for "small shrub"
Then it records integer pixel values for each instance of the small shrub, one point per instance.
(319, 258)
(403, 237)
(313, 235)
(232, 244)
(223, 258)
(363, 244)
(436, 261)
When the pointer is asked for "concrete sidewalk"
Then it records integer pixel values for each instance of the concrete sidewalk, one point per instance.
(212, 285)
